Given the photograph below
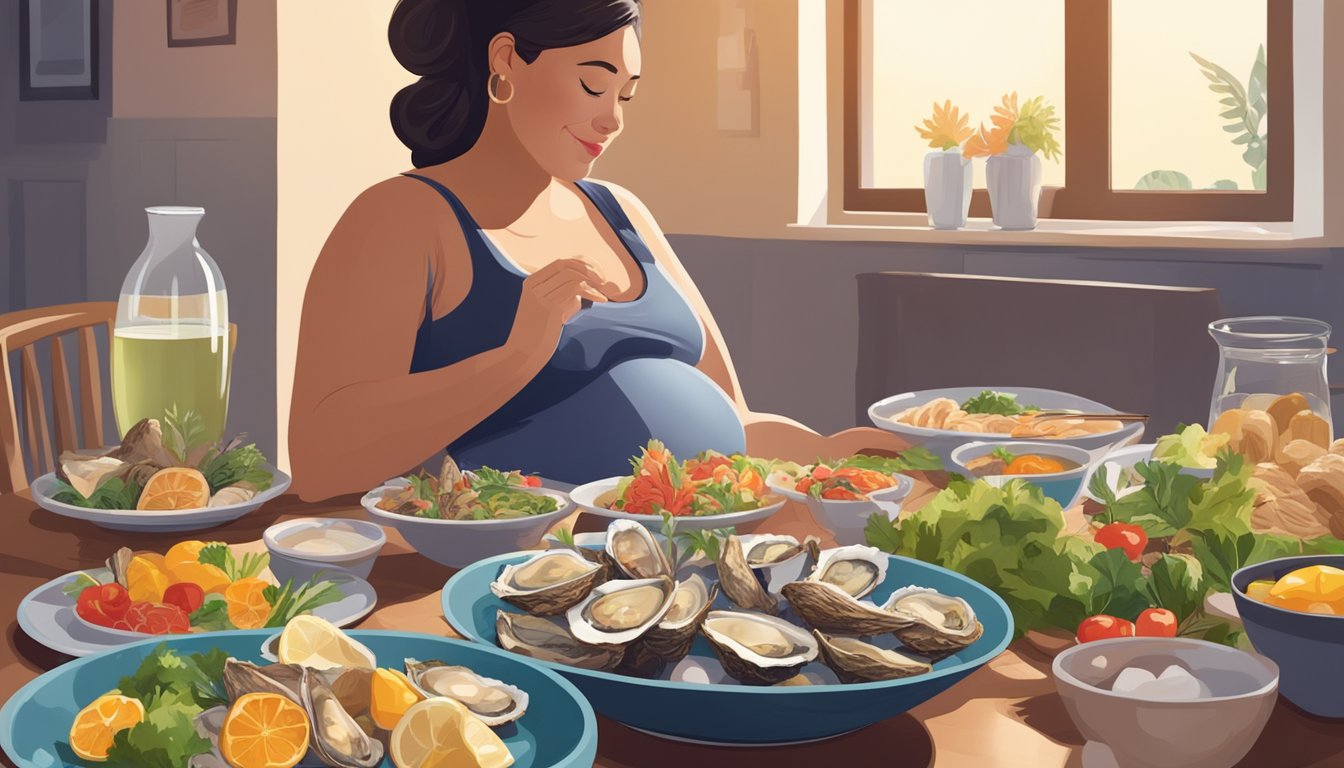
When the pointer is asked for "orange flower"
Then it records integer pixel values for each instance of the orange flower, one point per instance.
(948, 127)
(994, 141)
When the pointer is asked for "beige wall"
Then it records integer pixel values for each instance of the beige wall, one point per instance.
(692, 178)
(333, 141)
(151, 80)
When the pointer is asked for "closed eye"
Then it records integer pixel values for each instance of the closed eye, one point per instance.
(588, 90)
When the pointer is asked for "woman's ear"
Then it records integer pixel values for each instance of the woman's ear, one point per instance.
(503, 55)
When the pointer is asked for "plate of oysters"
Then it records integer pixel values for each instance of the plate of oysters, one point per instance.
(738, 640)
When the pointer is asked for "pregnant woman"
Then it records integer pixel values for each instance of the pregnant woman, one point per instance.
(498, 302)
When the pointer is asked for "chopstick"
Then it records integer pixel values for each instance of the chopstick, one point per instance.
(1091, 416)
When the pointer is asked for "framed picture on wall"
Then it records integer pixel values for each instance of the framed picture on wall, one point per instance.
(58, 50)
(202, 22)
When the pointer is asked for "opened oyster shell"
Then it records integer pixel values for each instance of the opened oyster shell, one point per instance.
(739, 582)
(636, 553)
(934, 623)
(856, 569)
(757, 649)
(547, 640)
(672, 638)
(621, 611)
(493, 702)
(829, 608)
(336, 737)
(855, 661)
(777, 559)
(548, 583)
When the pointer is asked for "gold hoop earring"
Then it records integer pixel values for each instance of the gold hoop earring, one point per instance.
(492, 88)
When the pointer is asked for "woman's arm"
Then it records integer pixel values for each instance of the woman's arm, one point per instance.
(358, 416)
(768, 434)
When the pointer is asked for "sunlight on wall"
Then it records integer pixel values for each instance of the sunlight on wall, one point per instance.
(334, 140)
(1163, 115)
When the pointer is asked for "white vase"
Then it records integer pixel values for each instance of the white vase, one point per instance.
(947, 188)
(1014, 179)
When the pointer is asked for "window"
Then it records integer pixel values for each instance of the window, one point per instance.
(1163, 106)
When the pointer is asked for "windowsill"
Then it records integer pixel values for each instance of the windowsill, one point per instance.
(1221, 235)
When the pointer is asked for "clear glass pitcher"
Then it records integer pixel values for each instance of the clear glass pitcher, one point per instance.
(171, 346)
(1264, 359)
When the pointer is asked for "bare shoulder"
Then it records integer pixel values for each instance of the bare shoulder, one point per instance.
(401, 219)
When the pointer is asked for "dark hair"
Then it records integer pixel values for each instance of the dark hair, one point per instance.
(446, 43)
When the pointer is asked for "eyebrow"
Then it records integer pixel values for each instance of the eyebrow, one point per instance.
(605, 65)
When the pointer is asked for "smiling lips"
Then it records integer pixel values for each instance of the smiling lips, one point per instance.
(590, 147)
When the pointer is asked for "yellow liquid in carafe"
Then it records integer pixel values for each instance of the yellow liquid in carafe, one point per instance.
(158, 367)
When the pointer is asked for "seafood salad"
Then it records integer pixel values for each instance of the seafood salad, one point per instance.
(853, 478)
(707, 484)
(484, 494)
(326, 702)
(163, 465)
(999, 413)
(629, 608)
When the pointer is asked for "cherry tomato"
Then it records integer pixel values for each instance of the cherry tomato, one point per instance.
(1103, 627)
(531, 481)
(1156, 622)
(103, 604)
(154, 619)
(184, 595)
(821, 472)
(1130, 538)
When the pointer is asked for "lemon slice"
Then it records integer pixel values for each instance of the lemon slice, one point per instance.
(314, 642)
(442, 732)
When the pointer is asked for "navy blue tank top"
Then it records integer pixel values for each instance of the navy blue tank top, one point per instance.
(622, 373)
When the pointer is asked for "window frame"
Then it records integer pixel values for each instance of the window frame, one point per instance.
(1087, 192)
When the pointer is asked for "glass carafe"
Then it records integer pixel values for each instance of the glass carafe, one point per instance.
(1263, 359)
(171, 345)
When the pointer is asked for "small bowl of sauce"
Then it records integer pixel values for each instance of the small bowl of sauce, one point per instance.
(302, 547)
(1058, 469)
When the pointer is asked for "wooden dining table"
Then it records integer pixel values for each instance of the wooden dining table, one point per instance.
(1006, 714)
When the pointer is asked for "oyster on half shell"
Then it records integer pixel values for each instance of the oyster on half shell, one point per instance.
(336, 737)
(635, 551)
(855, 661)
(738, 581)
(856, 569)
(549, 582)
(829, 608)
(671, 639)
(757, 649)
(493, 702)
(621, 611)
(547, 640)
(777, 559)
(933, 623)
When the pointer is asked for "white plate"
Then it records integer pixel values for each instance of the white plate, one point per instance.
(157, 521)
(943, 441)
(586, 497)
(48, 615)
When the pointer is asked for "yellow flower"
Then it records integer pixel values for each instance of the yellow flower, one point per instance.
(947, 128)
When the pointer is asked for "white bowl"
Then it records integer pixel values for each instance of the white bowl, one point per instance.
(157, 521)
(586, 497)
(943, 441)
(456, 543)
(1064, 487)
(847, 519)
(290, 563)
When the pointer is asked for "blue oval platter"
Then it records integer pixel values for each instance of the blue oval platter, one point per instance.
(732, 714)
(557, 730)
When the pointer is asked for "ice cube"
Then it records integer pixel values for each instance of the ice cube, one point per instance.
(1101, 663)
(1131, 680)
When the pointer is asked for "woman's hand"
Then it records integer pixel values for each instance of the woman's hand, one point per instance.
(551, 296)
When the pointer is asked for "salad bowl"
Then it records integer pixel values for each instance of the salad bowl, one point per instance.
(586, 497)
(846, 518)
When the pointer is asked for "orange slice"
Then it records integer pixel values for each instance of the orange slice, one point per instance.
(392, 694)
(183, 553)
(175, 488)
(210, 578)
(264, 730)
(95, 725)
(247, 604)
(145, 580)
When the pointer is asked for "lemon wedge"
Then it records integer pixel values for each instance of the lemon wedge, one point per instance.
(442, 732)
(314, 642)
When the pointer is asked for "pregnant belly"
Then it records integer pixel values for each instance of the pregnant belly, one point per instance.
(594, 433)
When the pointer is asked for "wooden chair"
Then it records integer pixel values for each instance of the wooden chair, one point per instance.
(22, 332)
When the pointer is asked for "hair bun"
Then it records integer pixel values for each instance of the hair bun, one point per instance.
(430, 37)
(436, 119)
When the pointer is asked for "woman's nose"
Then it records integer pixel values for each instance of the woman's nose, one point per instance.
(608, 122)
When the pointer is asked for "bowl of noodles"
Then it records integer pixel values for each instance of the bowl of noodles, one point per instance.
(942, 420)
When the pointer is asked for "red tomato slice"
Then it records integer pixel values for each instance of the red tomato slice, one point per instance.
(103, 604)
(184, 595)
